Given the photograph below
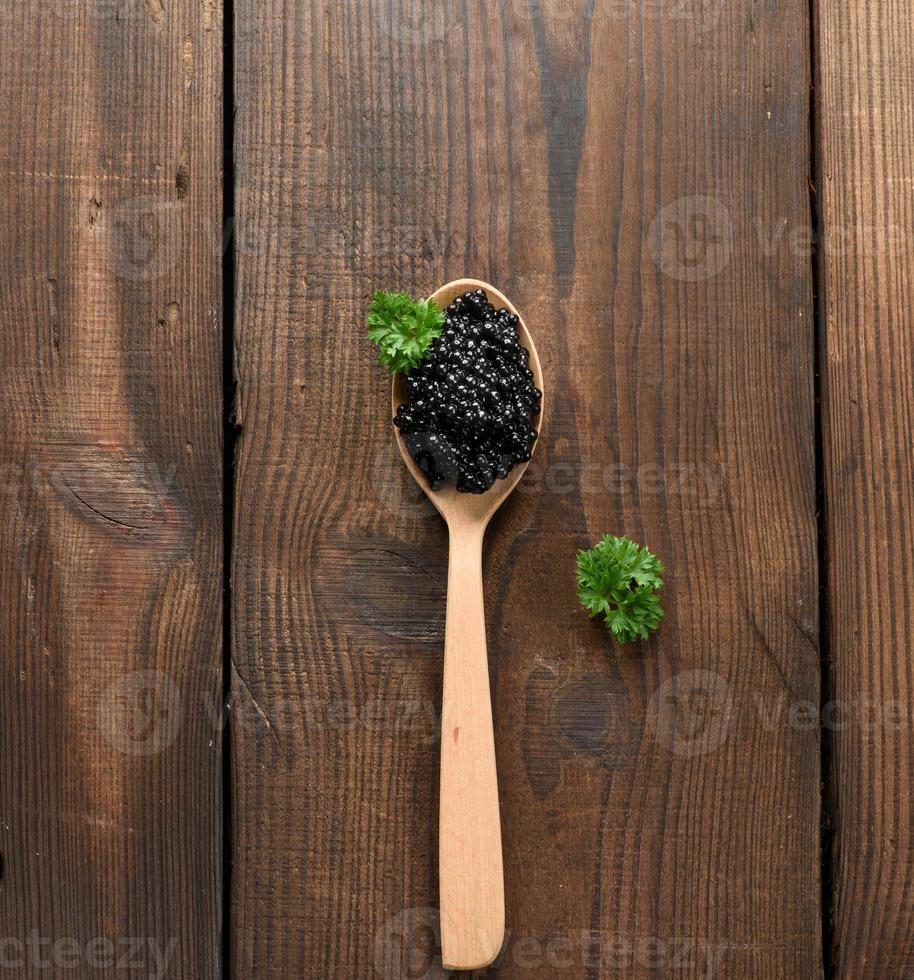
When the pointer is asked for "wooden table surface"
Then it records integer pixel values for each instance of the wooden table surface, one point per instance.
(222, 597)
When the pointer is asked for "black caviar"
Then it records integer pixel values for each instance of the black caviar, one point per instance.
(468, 416)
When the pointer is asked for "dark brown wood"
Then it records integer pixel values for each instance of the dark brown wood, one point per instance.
(110, 511)
(635, 179)
(866, 126)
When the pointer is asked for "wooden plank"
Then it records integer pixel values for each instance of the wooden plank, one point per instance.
(110, 512)
(866, 125)
(625, 177)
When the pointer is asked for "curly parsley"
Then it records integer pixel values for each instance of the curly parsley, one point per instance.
(403, 328)
(621, 581)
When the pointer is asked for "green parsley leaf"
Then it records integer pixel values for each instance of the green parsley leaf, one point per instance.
(403, 328)
(621, 581)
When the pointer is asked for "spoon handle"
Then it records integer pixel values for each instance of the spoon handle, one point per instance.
(469, 859)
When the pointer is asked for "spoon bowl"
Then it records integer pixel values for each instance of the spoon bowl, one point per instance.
(451, 504)
(470, 874)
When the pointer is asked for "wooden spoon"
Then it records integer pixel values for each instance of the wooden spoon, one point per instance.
(469, 841)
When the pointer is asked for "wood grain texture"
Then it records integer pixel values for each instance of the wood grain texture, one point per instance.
(110, 512)
(626, 173)
(866, 128)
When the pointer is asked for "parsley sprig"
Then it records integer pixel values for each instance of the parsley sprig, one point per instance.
(619, 580)
(403, 328)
